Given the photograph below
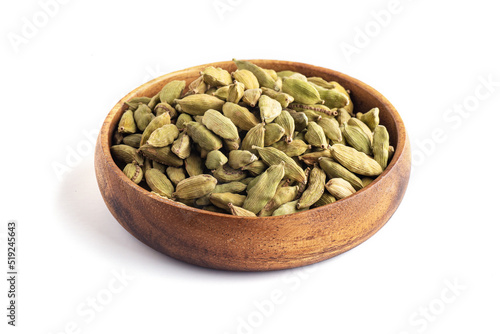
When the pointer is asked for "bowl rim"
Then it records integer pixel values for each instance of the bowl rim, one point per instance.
(106, 133)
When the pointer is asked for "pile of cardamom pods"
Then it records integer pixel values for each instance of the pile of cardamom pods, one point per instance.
(254, 142)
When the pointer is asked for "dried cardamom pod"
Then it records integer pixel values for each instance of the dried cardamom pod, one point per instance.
(127, 123)
(163, 155)
(336, 170)
(162, 108)
(238, 211)
(135, 102)
(283, 195)
(182, 120)
(193, 164)
(232, 145)
(241, 158)
(333, 98)
(381, 146)
(172, 91)
(287, 122)
(163, 136)
(203, 137)
(254, 137)
(316, 136)
(313, 157)
(231, 187)
(301, 91)
(143, 116)
(300, 119)
(133, 140)
(314, 190)
(175, 174)
(215, 159)
(247, 78)
(356, 122)
(371, 118)
(195, 186)
(235, 92)
(252, 96)
(263, 191)
(222, 93)
(331, 128)
(159, 183)
(291, 74)
(198, 86)
(221, 200)
(182, 145)
(124, 153)
(355, 161)
(269, 108)
(255, 168)
(272, 156)
(225, 174)
(343, 116)
(283, 98)
(288, 209)
(240, 116)
(274, 132)
(292, 149)
(216, 76)
(220, 125)
(197, 104)
(339, 188)
(325, 199)
(355, 137)
(133, 172)
(156, 123)
(265, 79)
(161, 167)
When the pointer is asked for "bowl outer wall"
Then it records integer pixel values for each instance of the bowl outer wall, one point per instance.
(247, 243)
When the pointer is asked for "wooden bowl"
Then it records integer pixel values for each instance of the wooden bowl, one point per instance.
(227, 242)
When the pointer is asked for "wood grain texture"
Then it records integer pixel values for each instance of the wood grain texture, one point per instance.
(247, 243)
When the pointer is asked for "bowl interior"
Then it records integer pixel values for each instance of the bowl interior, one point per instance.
(363, 96)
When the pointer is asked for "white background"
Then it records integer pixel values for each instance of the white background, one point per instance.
(430, 59)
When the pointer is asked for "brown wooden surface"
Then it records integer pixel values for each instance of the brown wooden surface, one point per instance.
(256, 244)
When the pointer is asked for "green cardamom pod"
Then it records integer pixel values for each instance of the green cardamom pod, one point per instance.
(240, 116)
(215, 159)
(216, 76)
(163, 136)
(235, 92)
(143, 116)
(247, 78)
(272, 156)
(198, 104)
(381, 146)
(203, 137)
(127, 123)
(301, 91)
(336, 170)
(255, 137)
(220, 125)
(263, 191)
(159, 183)
(195, 186)
(274, 132)
(133, 172)
(265, 79)
(156, 123)
(241, 158)
(172, 91)
(175, 174)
